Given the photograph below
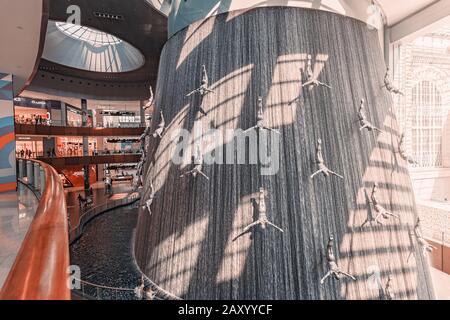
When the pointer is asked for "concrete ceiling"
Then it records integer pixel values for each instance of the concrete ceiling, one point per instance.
(140, 25)
(20, 38)
(397, 10)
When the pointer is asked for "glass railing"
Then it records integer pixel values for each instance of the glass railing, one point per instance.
(78, 124)
(92, 153)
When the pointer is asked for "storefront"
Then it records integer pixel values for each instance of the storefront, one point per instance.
(73, 146)
(29, 147)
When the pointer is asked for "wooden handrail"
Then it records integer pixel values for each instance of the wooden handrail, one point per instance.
(40, 269)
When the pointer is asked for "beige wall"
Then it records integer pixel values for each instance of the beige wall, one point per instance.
(20, 34)
(431, 184)
(446, 143)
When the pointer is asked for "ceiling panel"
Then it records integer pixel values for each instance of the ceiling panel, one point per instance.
(397, 10)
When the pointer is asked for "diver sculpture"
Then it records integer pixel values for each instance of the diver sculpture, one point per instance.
(389, 85)
(198, 166)
(149, 201)
(365, 124)
(333, 268)
(402, 151)
(426, 247)
(322, 168)
(150, 100)
(262, 215)
(260, 119)
(311, 80)
(379, 209)
(161, 127)
(204, 87)
(388, 291)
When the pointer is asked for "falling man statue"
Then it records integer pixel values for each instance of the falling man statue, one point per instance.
(388, 291)
(149, 201)
(312, 80)
(161, 127)
(333, 268)
(381, 212)
(365, 124)
(322, 168)
(262, 215)
(389, 85)
(402, 151)
(198, 166)
(150, 100)
(426, 247)
(139, 170)
(204, 87)
(260, 119)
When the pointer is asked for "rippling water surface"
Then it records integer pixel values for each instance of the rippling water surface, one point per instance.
(104, 254)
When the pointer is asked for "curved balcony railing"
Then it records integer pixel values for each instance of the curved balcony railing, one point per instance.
(40, 269)
(77, 230)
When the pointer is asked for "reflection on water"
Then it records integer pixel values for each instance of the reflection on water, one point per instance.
(104, 254)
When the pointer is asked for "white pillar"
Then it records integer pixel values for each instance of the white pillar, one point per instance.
(20, 169)
(42, 179)
(36, 175)
(30, 172)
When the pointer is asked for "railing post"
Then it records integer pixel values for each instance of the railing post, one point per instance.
(20, 169)
(30, 173)
(36, 175)
(42, 178)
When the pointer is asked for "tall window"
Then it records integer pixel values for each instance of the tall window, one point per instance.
(427, 124)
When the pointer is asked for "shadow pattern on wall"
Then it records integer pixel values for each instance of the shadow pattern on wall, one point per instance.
(186, 245)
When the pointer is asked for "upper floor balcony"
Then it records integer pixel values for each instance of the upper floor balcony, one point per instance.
(57, 129)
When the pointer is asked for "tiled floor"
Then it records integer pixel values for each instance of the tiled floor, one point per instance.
(16, 213)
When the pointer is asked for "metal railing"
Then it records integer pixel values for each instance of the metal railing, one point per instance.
(39, 271)
(92, 291)
(78, 124)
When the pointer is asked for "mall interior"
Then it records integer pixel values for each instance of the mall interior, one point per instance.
(225, 150)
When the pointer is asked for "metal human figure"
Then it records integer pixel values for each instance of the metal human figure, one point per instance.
(426, 247)
(333, 269)
(108, 184)
(365, 124)
(161, 127)
(389, 85)
(149, 201)
(262, 215)
(150, 100)
(139, 170)
(402, 151)
(311, 79)
(322, 168)
(204, 87)
(149, 293)
(139, 290)
(145, 134)
(260, 119)
(388, 291)
(198, 166)
(379, 209)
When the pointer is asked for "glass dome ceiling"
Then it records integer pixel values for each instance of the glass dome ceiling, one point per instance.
(90, 35)
(89, 49)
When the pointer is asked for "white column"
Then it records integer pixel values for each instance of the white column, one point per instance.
(36, 175)
(30, 172)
